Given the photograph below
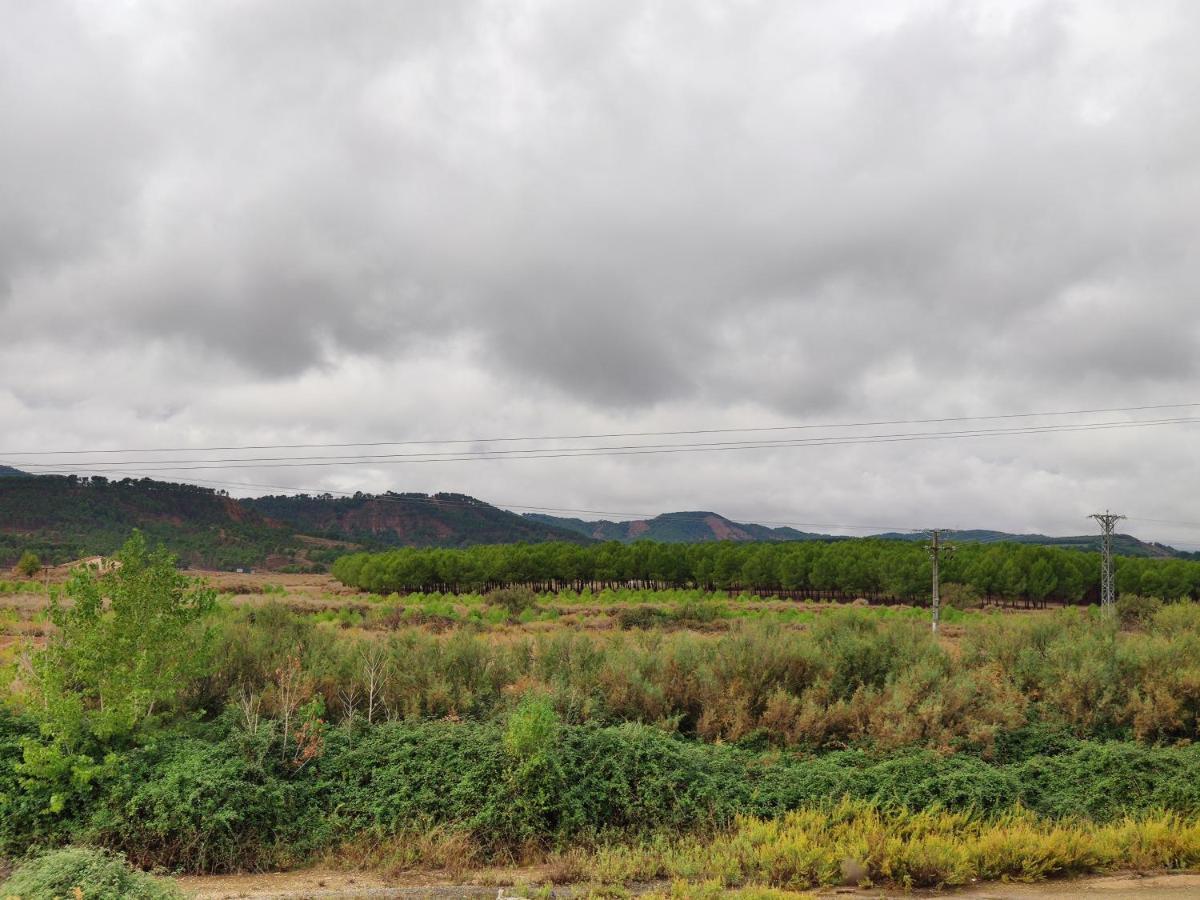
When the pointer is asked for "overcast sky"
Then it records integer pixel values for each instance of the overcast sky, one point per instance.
(228, 223)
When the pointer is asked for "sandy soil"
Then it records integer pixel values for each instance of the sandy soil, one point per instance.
(318, 883)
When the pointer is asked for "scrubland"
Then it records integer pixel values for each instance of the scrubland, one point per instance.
(610, 736)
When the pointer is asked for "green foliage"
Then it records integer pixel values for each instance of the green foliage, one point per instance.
(226, 801)
(62, 518)
(1134, 610)
(29, 564)
(95, 874)
(219, 805)
(437, 520)
(961, 596)
(532, 729)
(872, 568)
(123, 648)
(515, 600)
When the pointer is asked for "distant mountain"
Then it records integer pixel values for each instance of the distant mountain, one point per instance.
(1123, 544)
(409, 520)
(678, 528)
(63, 518)
(10, 472)
(694, 527)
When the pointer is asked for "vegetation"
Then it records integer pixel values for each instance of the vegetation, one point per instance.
(61, 518)
(83, 872)
(859, 843)
(193, 735)
(29, 564)
(421, 520)
(122, 646)
(879, 570)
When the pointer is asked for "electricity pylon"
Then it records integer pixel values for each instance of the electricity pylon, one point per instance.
(936, 548)
(1108, 594)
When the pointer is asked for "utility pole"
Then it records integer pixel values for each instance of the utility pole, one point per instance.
(1108, 594)
(936, 548)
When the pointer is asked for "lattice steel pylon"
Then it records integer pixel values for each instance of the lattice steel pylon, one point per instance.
(1108, 594)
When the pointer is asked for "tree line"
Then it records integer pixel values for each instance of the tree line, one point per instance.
(879, 570)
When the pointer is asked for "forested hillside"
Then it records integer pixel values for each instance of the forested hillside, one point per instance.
(862, 567)
(408, 520)
(677, 527)
(63, 518)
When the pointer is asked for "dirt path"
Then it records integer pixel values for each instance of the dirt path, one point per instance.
(316, 883)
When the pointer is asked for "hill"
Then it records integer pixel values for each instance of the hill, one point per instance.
(62, 518)
(695, 527)
(408, 520)
(10, 472)
(1123, 544)
(678, 528)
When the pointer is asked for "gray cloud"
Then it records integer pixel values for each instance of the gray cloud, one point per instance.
(601, 212)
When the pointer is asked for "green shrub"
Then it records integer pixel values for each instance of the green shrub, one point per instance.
(532, 729)
(960, 596)
(123, 651)
(29, 564)
(514, 600)
(228, 802)
(94, 874)
(209, 806)
(1134, 610)
(644, 616)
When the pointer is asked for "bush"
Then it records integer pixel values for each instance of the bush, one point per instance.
(1135, 611)
(29, 564)
(515, 600)
(123, 651)
(209, 806)
(960, 596)
(84, 872)
(644, 616)
(228, 802)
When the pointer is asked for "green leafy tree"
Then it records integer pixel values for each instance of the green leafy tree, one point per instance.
(29, 564)
(127, 644)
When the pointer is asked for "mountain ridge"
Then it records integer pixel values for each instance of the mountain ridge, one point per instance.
(678, 527)
(65, 517)
(666, 528)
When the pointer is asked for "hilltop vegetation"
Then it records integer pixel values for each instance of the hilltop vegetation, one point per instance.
(412, 520)
(61, 518)
(677, 527)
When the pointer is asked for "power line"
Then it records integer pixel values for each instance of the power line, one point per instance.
(619, 434)
(617, 450)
